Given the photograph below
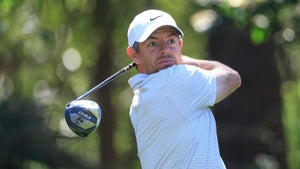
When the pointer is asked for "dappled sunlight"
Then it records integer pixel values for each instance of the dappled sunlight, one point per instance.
(65, 130)
(37, 49)
(42, 93)
(203, 20)
(288, 34)
(237, 3)
(261, 21)
(265, 161)
(30, 25)
(6, 87)
(71, 59)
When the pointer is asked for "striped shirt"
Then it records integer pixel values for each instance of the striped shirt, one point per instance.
(174, 127)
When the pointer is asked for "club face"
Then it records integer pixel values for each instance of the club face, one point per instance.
(83, 117)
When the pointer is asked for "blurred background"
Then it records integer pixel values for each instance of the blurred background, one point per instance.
(52, 51)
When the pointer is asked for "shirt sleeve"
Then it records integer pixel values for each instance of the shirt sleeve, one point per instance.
(192, 87)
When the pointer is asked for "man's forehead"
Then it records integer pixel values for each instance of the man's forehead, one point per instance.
(165, 29)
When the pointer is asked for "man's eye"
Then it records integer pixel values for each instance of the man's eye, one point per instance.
(171, 41)
(151, 44)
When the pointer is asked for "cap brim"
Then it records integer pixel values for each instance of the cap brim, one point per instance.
(153, 28)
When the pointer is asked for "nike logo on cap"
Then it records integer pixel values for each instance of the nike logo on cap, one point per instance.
(152, 19)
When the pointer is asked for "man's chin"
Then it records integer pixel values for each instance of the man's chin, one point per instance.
(165, 66)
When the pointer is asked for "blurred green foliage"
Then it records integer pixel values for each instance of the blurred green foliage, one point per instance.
(48, 54)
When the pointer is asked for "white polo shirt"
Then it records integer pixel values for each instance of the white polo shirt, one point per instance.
(174, 127)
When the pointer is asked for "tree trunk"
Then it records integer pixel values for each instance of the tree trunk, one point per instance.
(249, 121)
(107, 129)
(105, 22)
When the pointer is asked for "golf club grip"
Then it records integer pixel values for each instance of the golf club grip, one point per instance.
(106, 81)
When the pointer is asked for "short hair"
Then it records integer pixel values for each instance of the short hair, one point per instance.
(136, 46)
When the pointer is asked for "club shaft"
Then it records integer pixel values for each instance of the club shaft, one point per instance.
(106, 81)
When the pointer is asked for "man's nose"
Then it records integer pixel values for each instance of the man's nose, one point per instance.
(164, 49)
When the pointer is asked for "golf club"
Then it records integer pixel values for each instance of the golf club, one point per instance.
(83, 116)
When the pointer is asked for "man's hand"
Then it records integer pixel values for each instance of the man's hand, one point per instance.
(228, 80)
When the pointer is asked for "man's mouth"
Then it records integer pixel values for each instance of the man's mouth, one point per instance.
(166, 60)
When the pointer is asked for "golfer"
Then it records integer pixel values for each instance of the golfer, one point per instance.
(170, 114)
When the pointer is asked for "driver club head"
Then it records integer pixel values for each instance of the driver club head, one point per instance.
(83, 117)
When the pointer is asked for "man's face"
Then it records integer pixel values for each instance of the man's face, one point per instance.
(162, 49)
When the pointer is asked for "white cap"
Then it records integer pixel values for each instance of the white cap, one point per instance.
(147, 22)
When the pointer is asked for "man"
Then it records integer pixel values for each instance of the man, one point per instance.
(170, 113)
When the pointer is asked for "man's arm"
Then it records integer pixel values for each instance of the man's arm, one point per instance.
(228, 80)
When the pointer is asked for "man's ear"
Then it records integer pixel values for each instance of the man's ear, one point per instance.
(181, 43)
(132, 54)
